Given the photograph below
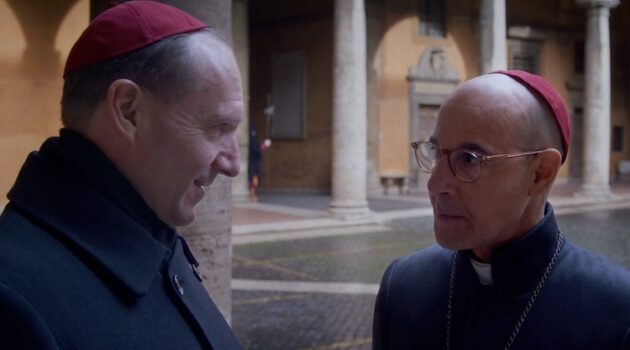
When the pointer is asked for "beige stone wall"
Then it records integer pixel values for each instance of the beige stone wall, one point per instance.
(620, 112)
(400, 49)
(296, 164)
(35, 38)
(620, 73)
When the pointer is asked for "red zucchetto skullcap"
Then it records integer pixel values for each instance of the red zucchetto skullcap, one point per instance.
(554, 100)
(128, 27)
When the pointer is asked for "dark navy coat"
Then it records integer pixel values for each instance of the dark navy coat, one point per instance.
(584, 304)
(85, 264)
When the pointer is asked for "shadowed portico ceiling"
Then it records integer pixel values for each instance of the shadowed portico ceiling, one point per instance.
(273, 13)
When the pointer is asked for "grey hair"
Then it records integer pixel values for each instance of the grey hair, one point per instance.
(163, 68)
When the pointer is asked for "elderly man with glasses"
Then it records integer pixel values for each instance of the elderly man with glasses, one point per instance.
(503, 276)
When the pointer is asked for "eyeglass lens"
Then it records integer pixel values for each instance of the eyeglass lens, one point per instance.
(465, 165)
(427, 155)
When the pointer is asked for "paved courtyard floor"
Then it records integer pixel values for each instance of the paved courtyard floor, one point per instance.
(314, 288)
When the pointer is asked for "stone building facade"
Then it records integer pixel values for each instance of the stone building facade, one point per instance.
(416, 52)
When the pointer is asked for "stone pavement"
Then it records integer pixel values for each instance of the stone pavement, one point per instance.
(303, 280)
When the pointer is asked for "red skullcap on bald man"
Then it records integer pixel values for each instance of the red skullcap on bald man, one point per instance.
(128, 27)
(540, 87)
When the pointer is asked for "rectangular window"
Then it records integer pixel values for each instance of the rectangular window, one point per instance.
(617, 139)
(287, 95)
(432, 19)
(578, 57)
(524, 54)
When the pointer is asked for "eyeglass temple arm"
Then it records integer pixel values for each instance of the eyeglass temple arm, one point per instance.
(512, 155)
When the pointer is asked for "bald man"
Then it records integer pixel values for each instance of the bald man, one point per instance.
(503, 275)
(89, 254)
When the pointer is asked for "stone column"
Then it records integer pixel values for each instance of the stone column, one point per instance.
(349, 142)
(240, 35)
(375, 11)
(596, 163)
(492, 50)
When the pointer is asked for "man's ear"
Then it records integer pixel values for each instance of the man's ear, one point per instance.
(546, 165)
(122, 103)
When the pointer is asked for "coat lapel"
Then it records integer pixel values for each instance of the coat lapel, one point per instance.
(194, 298)
(119, 244)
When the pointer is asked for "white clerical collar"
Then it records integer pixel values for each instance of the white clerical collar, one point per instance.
(484, 272)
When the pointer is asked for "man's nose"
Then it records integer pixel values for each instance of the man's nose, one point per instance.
(228, 162)
(442, 177)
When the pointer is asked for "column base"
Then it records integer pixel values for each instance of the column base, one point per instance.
(595, 192)
(349, 209)
(374, 186)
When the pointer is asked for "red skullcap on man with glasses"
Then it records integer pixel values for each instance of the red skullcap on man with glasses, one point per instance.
(502, 275)
(89, 253)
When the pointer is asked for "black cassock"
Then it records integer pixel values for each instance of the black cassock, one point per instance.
(584, 303)
(86, 264)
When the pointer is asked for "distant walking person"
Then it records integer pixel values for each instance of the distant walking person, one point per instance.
(256, 151)
(503, 276)
(89, 257)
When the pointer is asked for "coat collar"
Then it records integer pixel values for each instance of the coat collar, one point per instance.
(72, 187)
(521, 262)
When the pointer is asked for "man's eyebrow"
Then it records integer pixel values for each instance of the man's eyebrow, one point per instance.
(471, 146)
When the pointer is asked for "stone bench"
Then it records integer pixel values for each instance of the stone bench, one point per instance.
(395, 178)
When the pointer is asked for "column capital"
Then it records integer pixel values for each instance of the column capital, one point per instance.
(597, 3)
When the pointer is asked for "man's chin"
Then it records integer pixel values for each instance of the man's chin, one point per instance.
(183, 218)
(185, 223)
(449, 240)
(187, 214)
(188, 218)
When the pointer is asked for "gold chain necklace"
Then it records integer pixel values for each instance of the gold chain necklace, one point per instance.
(528, 307)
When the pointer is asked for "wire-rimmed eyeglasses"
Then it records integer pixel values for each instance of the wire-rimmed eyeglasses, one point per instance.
(464, 164)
